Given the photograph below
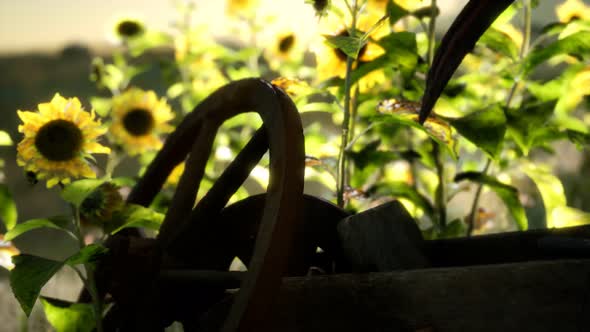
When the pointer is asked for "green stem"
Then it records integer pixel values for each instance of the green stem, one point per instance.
(432, 32)
(526, 40)
(89, 281)
(440, 194)
(352, 129)
(342, 160)
(112, 162)
(23, 322)
(253, 59)
(475, 204)
(96, 300)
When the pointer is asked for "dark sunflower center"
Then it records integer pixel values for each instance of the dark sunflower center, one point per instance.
(320, 5)
(59, 140)
(341, 55)
(129, 28)
(286, 43)
(93, 203)
(138, 122)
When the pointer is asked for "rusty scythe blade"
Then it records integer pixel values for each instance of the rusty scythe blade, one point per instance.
(472, 22)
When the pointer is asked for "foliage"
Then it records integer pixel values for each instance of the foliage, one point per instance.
(359, 102)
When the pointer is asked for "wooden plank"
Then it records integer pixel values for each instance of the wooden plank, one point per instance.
(534, 296)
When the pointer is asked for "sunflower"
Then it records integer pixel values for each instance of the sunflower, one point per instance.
(7, 251)
(320, 6)
(100, 205)
(59, 139)
(240, 7)
(410, 5)
(331, 61)
(512, 32)
(127, 28)
(285, 45)
(174, 176)
(138, 120)
(292, 86)
(571, 10)
(377, 6)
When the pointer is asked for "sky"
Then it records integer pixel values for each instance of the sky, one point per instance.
(42, 25)
(49, 25)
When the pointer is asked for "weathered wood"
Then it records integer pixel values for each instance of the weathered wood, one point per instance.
(511, 247)
(282, 134)
(384, 238)
(535, 296)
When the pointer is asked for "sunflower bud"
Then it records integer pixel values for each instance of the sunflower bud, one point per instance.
(320, 6)
(100, 205)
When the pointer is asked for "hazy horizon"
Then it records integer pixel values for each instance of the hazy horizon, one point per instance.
(33, 26)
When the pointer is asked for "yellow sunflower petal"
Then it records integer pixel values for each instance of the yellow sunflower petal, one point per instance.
(29, 117)
(66, 159)
(144, 135)
(52, 182)
(94, 147)
(86, 171)
(572, 9)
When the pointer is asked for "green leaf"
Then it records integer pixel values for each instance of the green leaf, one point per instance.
(124, 181)
(67, 316)
(549, 186)
(57, 222)
(176, 89)
(102, 106)
(113, 77)
(149, 40)
(368, 156)
(528, 123)
(499, 42)
(577, 44)
(404, 190)
(484, 128)
(138, 216)
(578, 138)
(401, 52)
(29, 275)
(89, 254)
(405, 113)
(425, 12)
(77, 191)
(565, 216)
(574, 88)
(5, 139)
(396, 12)
(377, 25)
(8, 212)
(507, 193)
(553, 28)
(456, 228)
(557, 87)
(350, 45)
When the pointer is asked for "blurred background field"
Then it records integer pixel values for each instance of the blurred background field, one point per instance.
(48, 47)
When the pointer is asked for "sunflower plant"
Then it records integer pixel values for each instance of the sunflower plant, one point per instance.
(356, 69)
